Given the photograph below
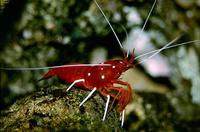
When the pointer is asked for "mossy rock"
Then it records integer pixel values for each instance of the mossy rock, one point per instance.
(54, 109)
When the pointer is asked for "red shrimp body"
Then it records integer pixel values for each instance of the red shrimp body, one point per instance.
(104, 78)
(68, 74)
(100, 77)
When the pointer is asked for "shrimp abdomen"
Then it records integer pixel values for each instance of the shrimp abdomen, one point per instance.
(67, 74)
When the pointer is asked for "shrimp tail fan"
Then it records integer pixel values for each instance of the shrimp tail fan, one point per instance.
(49, 74)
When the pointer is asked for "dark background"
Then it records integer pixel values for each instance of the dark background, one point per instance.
(36, 33)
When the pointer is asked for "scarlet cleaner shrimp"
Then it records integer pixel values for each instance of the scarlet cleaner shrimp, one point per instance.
(102, 77)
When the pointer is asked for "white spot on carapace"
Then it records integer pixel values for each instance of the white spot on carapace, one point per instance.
(102, 77)
(101, 68)
(120, 62)
(113, 67)
(89, 74)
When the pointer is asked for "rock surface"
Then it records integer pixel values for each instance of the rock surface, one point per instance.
(54, 109)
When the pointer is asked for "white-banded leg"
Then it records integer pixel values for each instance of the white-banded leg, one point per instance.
(76, 81)
(106, 108)
(122, 117)
(90, 94)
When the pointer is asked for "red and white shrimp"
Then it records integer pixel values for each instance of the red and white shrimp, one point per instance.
(99, 78)
(102, 77)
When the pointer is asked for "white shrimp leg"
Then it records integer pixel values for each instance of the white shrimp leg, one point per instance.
(89, 95)
(107, 102)
(106, 108)
(122, 118)
(76, 81)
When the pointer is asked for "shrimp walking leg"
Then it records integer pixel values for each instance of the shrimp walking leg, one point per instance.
(109, 92)
(122, 83)
(89, 95)
(124, 95)
(76, 81)
(116, 96)
(122, 117)
(106, 93)
(106, 107)
(119, 89)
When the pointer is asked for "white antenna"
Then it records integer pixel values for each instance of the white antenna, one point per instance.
(145, 23)
(168, 47)
(109, 24)
(159, 50)
(50, 67)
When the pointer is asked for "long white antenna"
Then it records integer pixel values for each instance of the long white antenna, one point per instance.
(145, 23)
(109, 24)
(168, 47)
(126, 38)
(50, 67)
(158, 51)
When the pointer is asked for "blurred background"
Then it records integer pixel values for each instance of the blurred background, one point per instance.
(39, 33)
